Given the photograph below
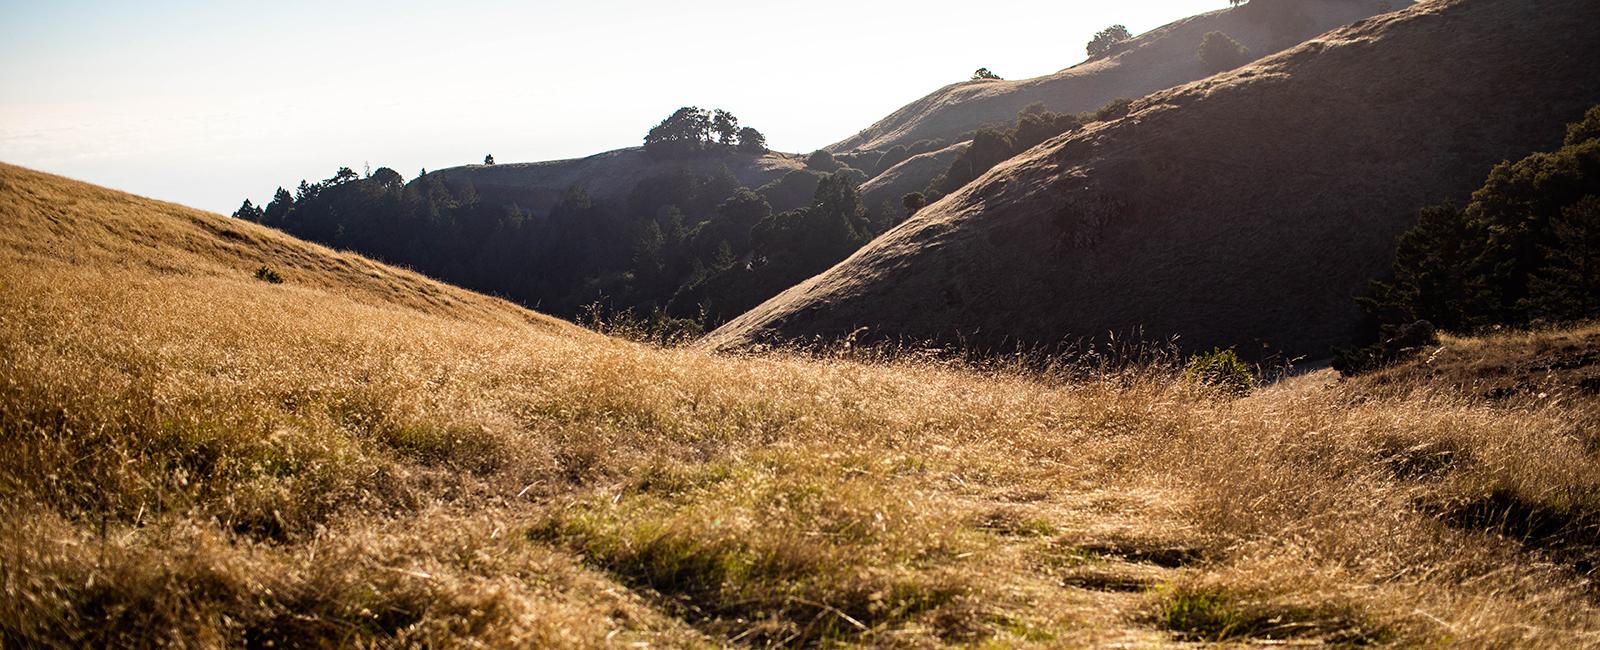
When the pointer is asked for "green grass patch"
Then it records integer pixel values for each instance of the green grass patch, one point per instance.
(767, 561)
(1214, 614)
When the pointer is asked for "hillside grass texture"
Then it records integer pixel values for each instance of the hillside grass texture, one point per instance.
(193, 457)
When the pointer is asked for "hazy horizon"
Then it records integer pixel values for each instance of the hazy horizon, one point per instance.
(206, 106)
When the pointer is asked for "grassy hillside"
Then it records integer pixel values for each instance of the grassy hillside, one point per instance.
(195, 457)
(1162, 58)
(1243, 210)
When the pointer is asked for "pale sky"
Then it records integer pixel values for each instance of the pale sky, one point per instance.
(206, 103)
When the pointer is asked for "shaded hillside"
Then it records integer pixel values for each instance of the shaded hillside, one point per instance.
(910, 175)
(357, 456)
(537, 187)
(1246, 209)
(659, 243)
(1159, 59)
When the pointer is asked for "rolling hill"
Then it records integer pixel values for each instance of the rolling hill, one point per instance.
(1246, 209)
(1159, 59)
(193, 454)
(607, 177)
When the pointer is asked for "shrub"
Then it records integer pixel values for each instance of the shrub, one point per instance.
(913, 202)
(1115, 109)
(1219, 52)
(821, 161)
(266, 274)
(1220, 370)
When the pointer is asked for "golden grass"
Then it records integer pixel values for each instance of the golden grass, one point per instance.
(190, 456)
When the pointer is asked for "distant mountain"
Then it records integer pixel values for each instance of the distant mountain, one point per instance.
(1246, 209)
(1153, 61)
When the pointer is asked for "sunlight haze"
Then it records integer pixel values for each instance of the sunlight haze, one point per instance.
(205, 104)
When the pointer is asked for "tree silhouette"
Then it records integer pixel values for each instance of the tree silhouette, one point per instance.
(684, 133)
(983, 73)
(488, 160)
(752, 141)
(725, 126)
(248, 211)
(1108, 40)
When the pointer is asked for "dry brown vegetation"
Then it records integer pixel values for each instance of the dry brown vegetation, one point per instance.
(194, 457)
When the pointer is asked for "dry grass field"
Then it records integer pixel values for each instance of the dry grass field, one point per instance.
(357, 456)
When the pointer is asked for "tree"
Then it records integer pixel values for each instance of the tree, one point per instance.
(1567, 288)
(1108, 40)
(821, 161)
(725, 126)
(248, 211)
(752, 141)
(684, 133)
(386, 177)
(1219, 52)
(913, 202)
(1584, 130)
(488, 160)
(983, 73)
(278, 209)
(1435, 275)
(342, 176)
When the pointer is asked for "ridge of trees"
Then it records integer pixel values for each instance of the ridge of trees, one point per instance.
(691, 131)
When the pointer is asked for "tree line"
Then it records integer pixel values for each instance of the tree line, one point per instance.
(1524, 251)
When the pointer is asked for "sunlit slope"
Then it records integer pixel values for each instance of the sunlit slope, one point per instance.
(1161, 58)
(52, 224)
(1244, 210)
(191, 457)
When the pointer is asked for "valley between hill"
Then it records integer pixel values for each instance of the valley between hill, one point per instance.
(213, 434)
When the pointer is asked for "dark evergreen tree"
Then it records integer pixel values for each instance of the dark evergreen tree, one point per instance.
(249, 212)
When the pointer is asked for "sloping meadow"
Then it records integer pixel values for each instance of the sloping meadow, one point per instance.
(192, 456)
(200, 461)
